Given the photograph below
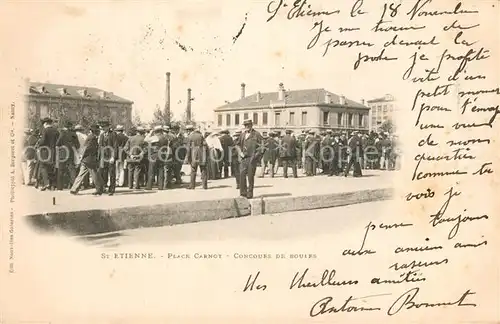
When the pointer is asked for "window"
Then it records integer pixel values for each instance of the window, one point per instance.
(264, 118)
(361, 120)
(277, 120)
(228, 120)
(350, 123)
(304, 118)
(237, 119)
(339, 119)
(219, 120)
(44, 111)
(255, 118)
(385, 108)
(291, 121)
(326, 116)
(245, 116)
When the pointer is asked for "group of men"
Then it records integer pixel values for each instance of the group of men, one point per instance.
(106, 157)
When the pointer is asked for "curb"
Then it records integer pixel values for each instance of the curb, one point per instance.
(88, 222)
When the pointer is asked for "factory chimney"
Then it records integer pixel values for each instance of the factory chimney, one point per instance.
(167, 97)
(188, 106)
(242, 90)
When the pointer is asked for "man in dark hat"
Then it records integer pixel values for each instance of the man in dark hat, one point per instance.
(226, 142)
(288, 153)
(66, 145)
(180, 150)
(196, 156)
(235, 159)
(90, 163)
(108, 154)
(121, 139)
(134, 148)
(251, 150)
(310, 146)
(47, 153)
(355, 152)
(270, 155)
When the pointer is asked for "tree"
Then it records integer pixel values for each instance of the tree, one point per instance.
(160, 118)
(136, 119)
(388, 126)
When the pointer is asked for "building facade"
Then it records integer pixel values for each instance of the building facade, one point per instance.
(310, 109)
(80, 105)
(381, 110)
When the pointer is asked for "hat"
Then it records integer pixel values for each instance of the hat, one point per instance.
(158, 128)
(166, 128)
(79, 127)
(140, 129)
(225, 131)
(238, 132)
(311, 131)
(288, 131)
(28, 130)
(329, 131)
(189, 127)
(119, 128)
(174, 126)
(247, 122)
(104, 123)
(46, 120)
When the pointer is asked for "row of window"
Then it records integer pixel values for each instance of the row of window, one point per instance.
(291, 119)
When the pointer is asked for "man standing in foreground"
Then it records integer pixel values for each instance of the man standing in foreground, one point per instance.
(196, 156)
(288, 153)
(252, 148)
(89, 163)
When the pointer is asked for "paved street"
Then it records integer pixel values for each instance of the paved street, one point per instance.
(278, 187)
(304, 226)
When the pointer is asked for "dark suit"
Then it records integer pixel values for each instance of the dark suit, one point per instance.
(90, 163)
(288, 155)
(226, 142)
(47, 155)
(180, 150)
(108, 151)
(196, 156)
(270, 155)
(66, 144)
(251, 148)
(134, 148)
(158, 152)
(121, 172)
(354, 157)
(311, 146)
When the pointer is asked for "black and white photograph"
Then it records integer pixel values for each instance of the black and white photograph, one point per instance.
(272, 161)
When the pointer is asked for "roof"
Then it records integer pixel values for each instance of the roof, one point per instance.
(72, 91)
(292, 97)
(386, 98)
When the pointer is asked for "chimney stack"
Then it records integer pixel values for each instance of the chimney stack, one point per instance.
(281, 92)
(328, 98)
(363, 102)
(242, 90)
(188, 106)
(167, 97)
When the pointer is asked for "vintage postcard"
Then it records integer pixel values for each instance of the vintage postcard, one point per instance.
(271, 161)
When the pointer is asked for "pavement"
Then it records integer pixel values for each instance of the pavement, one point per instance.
(128, 209)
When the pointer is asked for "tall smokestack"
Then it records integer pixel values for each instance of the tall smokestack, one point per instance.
(188, 106)
(242, 90)
(167, 97)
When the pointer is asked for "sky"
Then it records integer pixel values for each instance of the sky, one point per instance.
(127, 47)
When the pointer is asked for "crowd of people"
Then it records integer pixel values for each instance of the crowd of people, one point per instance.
(104, 157)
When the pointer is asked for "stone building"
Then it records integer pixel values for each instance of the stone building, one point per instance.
(381, 110)
(316, 109)
(82, 105)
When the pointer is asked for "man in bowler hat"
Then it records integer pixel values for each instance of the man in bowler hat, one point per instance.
(251, 145)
